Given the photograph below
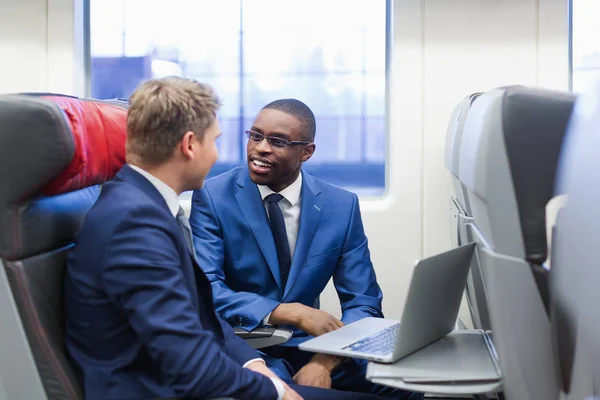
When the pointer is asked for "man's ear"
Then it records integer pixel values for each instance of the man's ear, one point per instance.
(307, 152)
(187, 144)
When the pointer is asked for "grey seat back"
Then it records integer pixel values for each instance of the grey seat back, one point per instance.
(460, 213)
(575, 272)
(509, 153)
(48, 181)
(452, 148)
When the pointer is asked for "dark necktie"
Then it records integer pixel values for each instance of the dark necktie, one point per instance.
(187, 232)
(280, 236)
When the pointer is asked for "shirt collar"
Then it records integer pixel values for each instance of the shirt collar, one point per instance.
(165, 190)
(290, 193)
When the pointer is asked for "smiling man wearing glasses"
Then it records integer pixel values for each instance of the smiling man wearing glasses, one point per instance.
(269, 237)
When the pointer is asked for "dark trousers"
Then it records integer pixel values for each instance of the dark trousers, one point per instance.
(348, 376)
(313, 393)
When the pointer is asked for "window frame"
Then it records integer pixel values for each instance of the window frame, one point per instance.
(570, 39)
(221, 167)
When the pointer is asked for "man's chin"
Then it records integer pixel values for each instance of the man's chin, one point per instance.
(259, 179)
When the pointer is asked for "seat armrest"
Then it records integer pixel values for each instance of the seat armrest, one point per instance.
(264, 337)
(258, 333)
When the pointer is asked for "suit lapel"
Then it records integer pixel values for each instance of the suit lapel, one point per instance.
(248, 198)
(310, 215)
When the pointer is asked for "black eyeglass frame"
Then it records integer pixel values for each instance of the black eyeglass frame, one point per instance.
(273, 140)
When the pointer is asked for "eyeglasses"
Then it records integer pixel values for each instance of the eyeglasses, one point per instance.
(273, 141)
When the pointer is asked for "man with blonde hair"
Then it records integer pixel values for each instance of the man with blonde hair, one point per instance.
(139, 314)
(136, 325)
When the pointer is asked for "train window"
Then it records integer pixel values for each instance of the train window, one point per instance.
(585, 47)
(330, 54)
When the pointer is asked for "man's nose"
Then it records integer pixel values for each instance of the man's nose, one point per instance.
(263, 146)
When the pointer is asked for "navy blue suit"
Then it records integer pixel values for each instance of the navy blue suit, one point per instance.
(140, 321)
(237, 252)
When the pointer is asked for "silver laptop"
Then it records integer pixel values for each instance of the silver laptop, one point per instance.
(430, 312)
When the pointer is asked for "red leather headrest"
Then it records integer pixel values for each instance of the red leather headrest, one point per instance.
(99, 132)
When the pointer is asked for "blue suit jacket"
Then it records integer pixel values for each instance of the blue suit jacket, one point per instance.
(236, 249)
(139, 316)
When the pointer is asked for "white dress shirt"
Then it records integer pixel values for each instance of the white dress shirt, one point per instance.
(172, 200)
(290, 208)
(165, 190)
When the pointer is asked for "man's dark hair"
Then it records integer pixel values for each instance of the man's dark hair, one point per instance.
(300, 111)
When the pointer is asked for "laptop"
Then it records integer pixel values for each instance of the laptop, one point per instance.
(430, 313)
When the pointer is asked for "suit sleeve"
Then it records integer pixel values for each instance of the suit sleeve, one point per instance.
(243, 309)
(236, 347)
(354, 277)
(142, 275)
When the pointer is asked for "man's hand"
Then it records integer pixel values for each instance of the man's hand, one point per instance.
(313, 375)
(316, 322)
(261, 368)
(310, 320)
(317, 372)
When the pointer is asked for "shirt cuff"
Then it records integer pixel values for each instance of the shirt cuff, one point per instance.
(266, 319)
(279, 387)
(253, 360)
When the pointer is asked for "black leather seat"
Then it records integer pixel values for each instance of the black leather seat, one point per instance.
(55, 152)
(47, 184)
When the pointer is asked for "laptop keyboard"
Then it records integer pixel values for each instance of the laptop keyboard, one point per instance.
(380, 343)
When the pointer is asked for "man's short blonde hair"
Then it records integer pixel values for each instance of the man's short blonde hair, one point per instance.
(161, 111)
